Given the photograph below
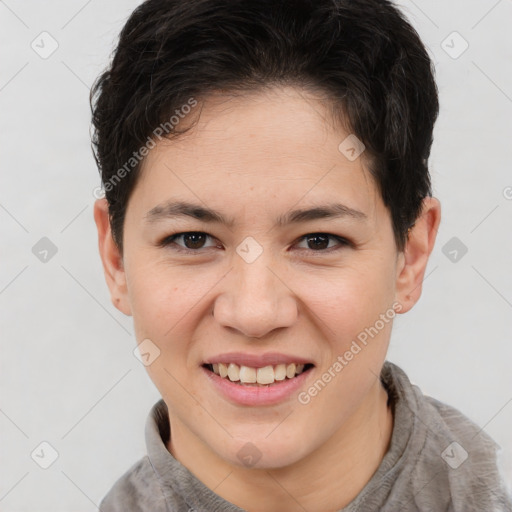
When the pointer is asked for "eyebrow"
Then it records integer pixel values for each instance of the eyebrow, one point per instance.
(174, 209)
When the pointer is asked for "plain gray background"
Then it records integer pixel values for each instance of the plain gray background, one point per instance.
(68, 374)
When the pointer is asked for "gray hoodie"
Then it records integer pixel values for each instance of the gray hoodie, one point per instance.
(438, 461)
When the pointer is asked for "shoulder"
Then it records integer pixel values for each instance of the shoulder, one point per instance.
(455, 461)
(457, 440)
(470, 459)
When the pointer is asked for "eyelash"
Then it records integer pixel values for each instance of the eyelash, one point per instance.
(169, 240)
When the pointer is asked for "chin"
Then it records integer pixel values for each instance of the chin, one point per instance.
(265, 453)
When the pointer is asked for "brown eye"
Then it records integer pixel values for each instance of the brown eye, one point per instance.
(192, 241)
(319, 242)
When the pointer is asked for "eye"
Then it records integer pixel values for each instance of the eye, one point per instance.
(193, 241)
(319, 242)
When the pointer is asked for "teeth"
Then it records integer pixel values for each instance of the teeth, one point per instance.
(233, 372)
(223, 370)
(264, 376)
(290, 371)
(247, 374)
(280, 372)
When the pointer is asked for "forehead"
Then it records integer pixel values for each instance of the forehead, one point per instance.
(275, 146)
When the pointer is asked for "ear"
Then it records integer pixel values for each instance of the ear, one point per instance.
(413, 261)
(111, 259)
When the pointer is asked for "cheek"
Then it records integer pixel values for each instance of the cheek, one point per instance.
(168, 302)
(350, 299)
(356, 318)
(162, 306)
(158, 298)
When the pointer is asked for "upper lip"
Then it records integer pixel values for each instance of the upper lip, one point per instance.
(256, 360)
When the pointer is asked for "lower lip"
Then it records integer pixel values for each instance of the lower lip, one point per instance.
(257, 395)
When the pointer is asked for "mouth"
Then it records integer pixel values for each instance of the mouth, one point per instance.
(266, 376)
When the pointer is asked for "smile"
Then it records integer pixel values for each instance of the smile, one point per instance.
(264, 376)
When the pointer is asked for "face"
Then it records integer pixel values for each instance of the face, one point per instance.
(246, 276)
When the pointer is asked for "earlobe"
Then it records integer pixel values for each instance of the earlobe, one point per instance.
(111, 259)
(419, 246)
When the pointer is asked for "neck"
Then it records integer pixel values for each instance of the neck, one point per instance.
(327, 479)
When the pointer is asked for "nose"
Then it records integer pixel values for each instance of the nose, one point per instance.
(255, 300)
